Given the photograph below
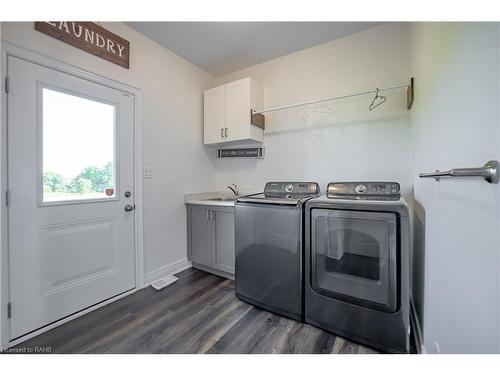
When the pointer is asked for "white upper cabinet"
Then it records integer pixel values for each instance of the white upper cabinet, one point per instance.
(227, 113)
(213, 102)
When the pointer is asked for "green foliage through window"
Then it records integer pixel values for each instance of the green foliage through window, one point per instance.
(90, 180)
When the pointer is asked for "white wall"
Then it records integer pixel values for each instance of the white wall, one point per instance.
(350, 144)
(456, 67)
(455, 123)
(3, 266)
(173, 128)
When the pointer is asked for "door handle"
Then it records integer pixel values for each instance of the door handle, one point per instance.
(222, 132)
(489, 172)
(225, 132)
(129, 208)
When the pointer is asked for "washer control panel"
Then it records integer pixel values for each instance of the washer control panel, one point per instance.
(288, 188)
(373, 190)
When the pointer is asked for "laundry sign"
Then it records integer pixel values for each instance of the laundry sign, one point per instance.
(252, 153)
(89, 37)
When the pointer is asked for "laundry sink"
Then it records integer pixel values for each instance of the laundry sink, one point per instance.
(222, 199)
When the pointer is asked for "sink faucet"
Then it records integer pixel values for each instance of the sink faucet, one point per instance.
(234, 189)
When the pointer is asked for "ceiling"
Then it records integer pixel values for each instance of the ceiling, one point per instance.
(225, 47)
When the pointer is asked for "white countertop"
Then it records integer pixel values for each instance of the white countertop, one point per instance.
(208, 202)
(207, 198)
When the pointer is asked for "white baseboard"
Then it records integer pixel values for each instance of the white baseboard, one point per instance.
(417, 329)
(214, 271)
(176, 267)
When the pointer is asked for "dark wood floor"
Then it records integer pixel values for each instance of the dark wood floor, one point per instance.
(197, 314)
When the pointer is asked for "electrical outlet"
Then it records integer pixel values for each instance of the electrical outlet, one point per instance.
(148, 172)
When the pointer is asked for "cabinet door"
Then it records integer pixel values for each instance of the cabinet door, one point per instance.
(224, 240)
(201, 235)
(237, 102)
(213, 115)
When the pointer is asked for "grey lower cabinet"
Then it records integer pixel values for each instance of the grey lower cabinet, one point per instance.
(211, 238)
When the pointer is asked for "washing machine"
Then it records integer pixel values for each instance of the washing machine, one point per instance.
(357, 264)
(268, 231)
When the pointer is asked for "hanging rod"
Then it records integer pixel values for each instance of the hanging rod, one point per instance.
(258, 118)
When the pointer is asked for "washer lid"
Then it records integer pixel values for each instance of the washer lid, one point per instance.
(267, 199)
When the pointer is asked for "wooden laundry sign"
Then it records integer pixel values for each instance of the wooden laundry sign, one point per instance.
(89, 37)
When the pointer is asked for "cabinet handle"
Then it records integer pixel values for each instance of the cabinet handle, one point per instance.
(222, 132)
(208, 214)
(225, 132)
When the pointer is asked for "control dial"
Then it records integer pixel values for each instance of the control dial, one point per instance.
(360, 189)
(288, 188)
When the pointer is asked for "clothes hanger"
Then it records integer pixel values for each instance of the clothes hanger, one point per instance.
(322, 108)
(377, 96)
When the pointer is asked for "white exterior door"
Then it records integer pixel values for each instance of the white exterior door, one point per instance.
(70, 176)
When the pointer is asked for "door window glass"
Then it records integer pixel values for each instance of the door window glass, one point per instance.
(78, 148)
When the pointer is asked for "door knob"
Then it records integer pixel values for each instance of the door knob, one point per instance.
(129, 208)
(127, 194)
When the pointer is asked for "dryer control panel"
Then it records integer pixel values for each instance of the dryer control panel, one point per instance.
(358, 190)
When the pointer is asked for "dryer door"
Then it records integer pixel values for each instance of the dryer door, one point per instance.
(354, 257)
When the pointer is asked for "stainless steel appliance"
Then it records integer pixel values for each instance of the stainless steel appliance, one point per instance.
(357, 263)
(268, 246)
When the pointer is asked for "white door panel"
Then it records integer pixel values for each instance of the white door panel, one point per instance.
(237, 104)
(224, 241)
(214, 115)
(70, 247)
(456, 124)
